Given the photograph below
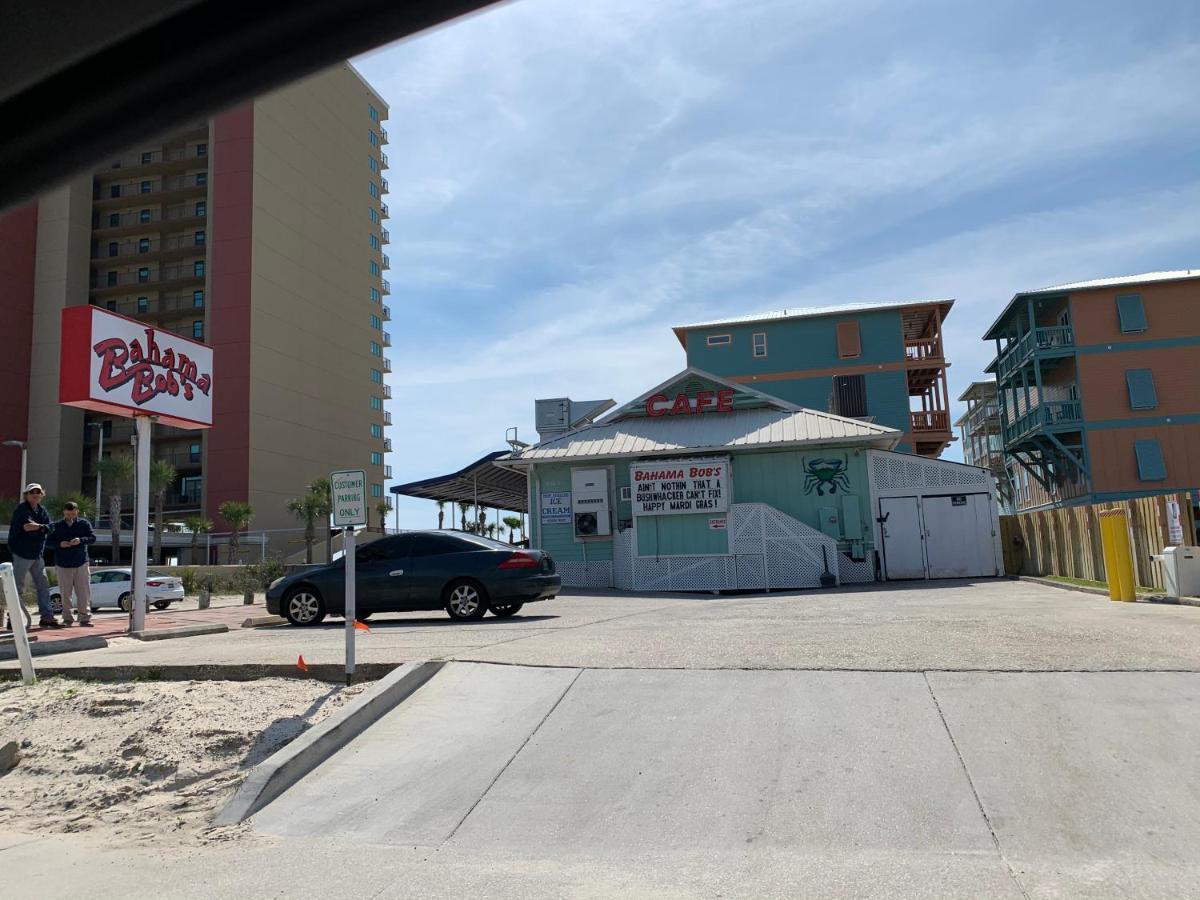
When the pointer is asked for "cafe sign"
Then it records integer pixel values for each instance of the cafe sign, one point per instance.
(680, 486)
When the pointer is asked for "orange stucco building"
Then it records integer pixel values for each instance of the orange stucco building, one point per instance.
(1099, 388)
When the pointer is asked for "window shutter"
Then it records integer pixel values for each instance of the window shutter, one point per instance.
(1141, 389)
(1131, 313)
(849, 344)
(1151, 466)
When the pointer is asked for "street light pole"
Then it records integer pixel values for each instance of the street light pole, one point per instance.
(99, 456)
(24, 452)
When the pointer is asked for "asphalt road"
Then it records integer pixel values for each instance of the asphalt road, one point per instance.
(948, 740)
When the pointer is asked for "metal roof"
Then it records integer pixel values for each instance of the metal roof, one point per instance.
(757, 428)
(1095, 284)
(481, 481)
(981, 389)
(693, 372)
(815, 312)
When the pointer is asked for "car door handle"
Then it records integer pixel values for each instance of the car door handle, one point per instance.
(396, 572)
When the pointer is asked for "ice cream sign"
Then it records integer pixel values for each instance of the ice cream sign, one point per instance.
(113, 364)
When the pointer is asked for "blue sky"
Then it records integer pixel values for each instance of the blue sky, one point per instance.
(569, 180)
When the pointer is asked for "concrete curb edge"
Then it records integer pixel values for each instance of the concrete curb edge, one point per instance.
(50, 648)
(165, 634)
(289, 764)
(1099, 592)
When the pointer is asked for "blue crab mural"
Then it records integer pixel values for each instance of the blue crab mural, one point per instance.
(826, 475)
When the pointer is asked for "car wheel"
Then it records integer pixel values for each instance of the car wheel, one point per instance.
(465, 600)
(303, 606)
(506, 610)
(161, 604)
(125, 601)
(56, 604)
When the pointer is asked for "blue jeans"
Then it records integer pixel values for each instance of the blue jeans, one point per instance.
(21, 566)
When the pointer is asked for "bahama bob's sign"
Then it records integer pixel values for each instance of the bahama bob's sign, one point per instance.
(679, 486)
(114, 364)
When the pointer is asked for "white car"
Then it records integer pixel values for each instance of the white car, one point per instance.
(114, 587)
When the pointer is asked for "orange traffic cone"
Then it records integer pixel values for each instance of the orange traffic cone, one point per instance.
(361, 626)
(301, 664)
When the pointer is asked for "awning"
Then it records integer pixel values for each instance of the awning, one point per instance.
(482, 481)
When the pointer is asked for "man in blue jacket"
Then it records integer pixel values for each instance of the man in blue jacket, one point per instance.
(70, 539)
(27, 542)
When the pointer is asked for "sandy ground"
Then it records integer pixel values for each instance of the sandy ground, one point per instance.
(139, 761)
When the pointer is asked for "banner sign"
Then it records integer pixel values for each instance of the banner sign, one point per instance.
(556, 508)
(676, 486)
(113, 364)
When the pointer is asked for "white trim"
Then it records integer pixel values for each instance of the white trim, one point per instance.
(718, 340)
(754, 345)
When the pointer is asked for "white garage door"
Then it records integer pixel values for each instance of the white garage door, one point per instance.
(959, 541)
(903, 547)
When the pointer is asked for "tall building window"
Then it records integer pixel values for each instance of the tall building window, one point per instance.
(375, 322)
(114, 249)
(376, 430)
(144, 216)
(376, 404)
(201, 179)
(198, 299)
(143, 245)
(372, 189)
(373, 138)
(376, 458)
(143, 304)
(198, 268)
(373, 113)
(376, 350)
(147, 158)
(201, 208)
(376, 490)
(374, 295)
(377, 376)
(114, 190)
(111, 279)
(372, 164)
(147, 187)
(114, 219)
(144, 274)
(194, 452)
(373, 215)
(373, 241)
(111, 305)
(374, 267)
(200, 237)
(198, 329)
(202, 149)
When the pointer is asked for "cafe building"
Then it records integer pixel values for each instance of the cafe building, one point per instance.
(705, 484)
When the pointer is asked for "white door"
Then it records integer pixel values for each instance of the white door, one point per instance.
(959, 536)
(903, 542)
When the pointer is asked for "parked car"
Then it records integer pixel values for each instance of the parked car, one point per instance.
(464, 574)
(114, 587)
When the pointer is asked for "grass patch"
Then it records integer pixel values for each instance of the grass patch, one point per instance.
(1083, 582)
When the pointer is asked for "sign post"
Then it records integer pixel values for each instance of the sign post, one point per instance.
(349, 488)
(16, 615)
(141, 524)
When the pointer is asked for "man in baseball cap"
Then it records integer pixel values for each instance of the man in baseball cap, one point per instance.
(27, 542)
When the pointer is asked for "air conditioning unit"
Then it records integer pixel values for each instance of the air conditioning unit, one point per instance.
(589, 502)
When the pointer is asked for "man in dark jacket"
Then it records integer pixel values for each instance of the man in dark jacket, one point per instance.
(26, 542)
(70, 539)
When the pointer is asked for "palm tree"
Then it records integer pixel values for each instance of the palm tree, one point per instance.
(463, 506)
(324, 492)
(239, 514)
(197, 525)
(513, 523)
(383, 507)
(116, 471)
(441, 505)
(490, 528)
(162, 476)
(54, 505)
(308, 509)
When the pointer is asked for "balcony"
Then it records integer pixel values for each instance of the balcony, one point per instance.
(383, 184)
(387, 471)
(387, 392)
(160, 189)
(387, 364)
(926, 421)
(159, 276)
(385, 236)
(387, 339)
(387, 263)
(182, 244)
(383, 210)
(180, 459)
(387, 417)
(383, 158)
(386, 314)
(983, 416)
(1055, 340)
(387, 445)
(923, 349)
(387, 286)
(383, 138)
(168, 305)
(1050, 414)
(171, 159)
(152, 219)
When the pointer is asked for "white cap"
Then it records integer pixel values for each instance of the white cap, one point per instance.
(33, 486)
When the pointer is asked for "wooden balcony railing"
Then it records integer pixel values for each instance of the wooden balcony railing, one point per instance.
(930, 420)
(919, 349)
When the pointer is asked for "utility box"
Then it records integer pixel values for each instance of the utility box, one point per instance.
(1182, 567)
(831, 522)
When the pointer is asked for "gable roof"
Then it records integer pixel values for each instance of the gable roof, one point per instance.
(812, 313)
(625, 409)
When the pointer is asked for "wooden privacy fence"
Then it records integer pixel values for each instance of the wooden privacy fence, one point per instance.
(1066, 542)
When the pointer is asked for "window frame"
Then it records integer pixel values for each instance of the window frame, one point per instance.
(754, 345)
(1140, 386)
(1151, 464)
(718, 340)
(1131, 314)
(198, 325)
(849, 335)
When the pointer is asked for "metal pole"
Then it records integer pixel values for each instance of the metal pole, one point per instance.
(99, 456)
(348, 555)
(141, 521)
(24, 473)
(397, 514)
(12, 599)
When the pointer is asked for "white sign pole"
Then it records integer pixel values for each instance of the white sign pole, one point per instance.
(348, 550)
(16, 616)
(141, 524)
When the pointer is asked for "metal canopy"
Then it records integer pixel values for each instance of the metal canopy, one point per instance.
(481, 482)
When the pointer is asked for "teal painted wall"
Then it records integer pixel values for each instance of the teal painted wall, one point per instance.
(777, 478)
(798, 345)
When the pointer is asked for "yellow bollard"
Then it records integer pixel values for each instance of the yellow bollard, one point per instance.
(1118, 558)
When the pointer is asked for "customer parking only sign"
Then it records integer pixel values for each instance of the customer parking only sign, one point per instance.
(676, 486)
(349, 498)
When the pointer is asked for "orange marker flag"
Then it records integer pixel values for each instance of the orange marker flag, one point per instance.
(301, 664)
(361, 626)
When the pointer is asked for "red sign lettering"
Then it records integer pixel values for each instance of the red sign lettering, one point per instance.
(122, 362)
(683, 405)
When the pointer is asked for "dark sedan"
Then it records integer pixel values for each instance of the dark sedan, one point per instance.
(464, 574)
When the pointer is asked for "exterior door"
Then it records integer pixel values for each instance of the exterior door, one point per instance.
(960, 542)
(903, 538)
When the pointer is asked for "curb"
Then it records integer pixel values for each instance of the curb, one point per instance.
(263, 621)
(49, 648)
(288, 765)
(1103, 592)
(165, 634)
(330, 672)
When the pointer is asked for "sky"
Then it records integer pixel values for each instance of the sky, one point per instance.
(569, 180)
